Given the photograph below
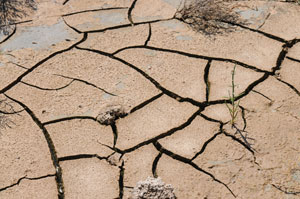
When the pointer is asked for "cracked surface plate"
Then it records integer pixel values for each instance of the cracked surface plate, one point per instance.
(70, 62)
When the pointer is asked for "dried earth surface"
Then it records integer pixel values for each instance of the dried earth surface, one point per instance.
(99, 95)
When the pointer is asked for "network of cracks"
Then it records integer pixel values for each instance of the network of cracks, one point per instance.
(239, 137)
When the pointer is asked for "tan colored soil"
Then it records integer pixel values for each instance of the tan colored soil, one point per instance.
(73, 60)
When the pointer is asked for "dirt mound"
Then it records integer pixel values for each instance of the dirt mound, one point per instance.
(153, 188)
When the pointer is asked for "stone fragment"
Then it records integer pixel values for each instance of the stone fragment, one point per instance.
(153, 188)
(110, 114)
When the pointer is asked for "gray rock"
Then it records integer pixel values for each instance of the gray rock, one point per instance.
(153, 188)
(110, 114)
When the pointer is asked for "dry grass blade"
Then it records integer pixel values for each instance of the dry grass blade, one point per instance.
(5, 109)
(208, 16)
(12, 10)
(234, 106)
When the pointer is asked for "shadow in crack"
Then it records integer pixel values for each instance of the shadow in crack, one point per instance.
(10, 11)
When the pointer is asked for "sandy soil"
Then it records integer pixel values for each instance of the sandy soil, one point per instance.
(98, 95)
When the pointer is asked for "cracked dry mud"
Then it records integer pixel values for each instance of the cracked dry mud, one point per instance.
(68, 61)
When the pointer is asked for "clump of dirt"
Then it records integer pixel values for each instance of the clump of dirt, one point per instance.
(209, 16)
(153, 188)
(110, 113)
(114, 159)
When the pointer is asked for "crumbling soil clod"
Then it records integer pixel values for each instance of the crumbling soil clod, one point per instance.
(153, 188)
(110, 114)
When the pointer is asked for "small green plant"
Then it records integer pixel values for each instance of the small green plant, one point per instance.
(234, 106)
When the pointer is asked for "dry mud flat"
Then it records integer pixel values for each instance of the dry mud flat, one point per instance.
(102, 94)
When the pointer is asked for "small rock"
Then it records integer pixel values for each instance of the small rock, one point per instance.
(153, 188)
(114, 160)
(110, 114)
(178, 15)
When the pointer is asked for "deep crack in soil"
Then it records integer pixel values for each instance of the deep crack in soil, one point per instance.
(117, 144)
